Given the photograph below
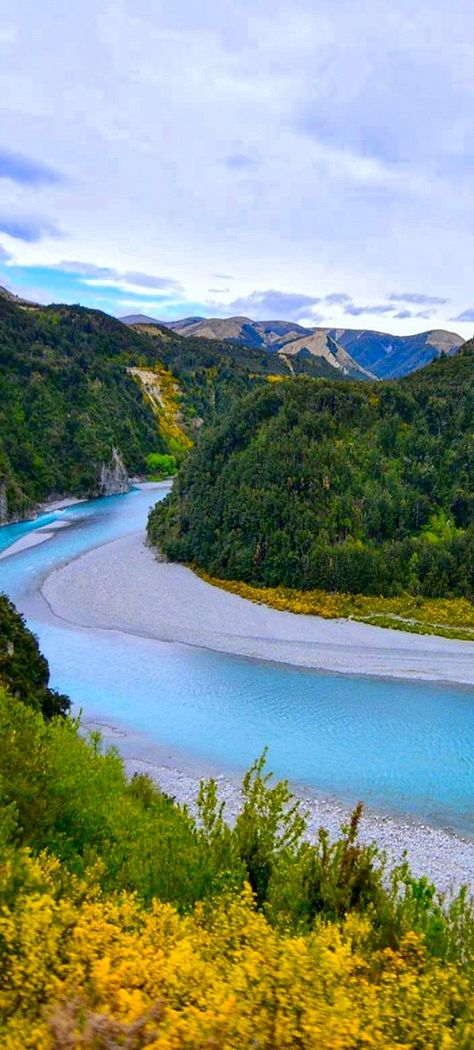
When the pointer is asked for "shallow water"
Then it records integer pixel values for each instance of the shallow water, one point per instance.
(407, 747)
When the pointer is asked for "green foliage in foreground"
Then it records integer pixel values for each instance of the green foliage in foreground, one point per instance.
(351, 488)
(23, 668)
(125, 921)
(61, 794)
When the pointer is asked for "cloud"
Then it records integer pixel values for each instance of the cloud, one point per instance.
(426, 314)
(403, 314)
(467, 315)
(29, 230)
(146, 280)
(239, 162)
(417, 299)
(392, 97)
(85, 269)
(4, 255)
(26, 171)
(274, 305)
(337, 298)
(357, 311)
(217, 291)
(105, 276)
(302, 145)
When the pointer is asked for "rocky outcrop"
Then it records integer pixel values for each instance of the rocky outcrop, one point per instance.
(3, 502)
(113, 477)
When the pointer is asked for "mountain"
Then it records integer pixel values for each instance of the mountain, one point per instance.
(321, 344)
(293, 343)
(133, 319)
(393, 356)
(259, 334)
(361, 354)
(349, 487)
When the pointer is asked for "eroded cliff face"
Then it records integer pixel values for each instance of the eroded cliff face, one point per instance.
(113, 477)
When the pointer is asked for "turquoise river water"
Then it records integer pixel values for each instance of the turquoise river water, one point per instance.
(406, 747)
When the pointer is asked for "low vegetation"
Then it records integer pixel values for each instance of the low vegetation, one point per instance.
(160, 466)
(127, 922)
(448, 617)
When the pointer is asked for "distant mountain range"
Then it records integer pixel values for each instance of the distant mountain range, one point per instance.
(361, 354)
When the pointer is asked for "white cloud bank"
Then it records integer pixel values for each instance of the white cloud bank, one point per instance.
(301, 147)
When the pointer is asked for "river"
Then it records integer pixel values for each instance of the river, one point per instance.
(405, 747)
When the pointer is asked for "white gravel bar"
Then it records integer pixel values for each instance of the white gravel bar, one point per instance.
(34, 538)
(122, 586)
(443, 857)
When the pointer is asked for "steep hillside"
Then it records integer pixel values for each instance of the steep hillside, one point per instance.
(84, 399)
(361, 354)
(392, 356)
(72, 420)
(24, 671)
(321, 344)
(346, 487)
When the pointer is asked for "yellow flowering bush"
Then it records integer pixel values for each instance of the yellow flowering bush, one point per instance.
(108, 973)
(125, 922)
(163, 394)
(449, 617)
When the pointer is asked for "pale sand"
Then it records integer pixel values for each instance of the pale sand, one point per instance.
(122, 586)
(32, 539)
(444, 858)
(51, 505)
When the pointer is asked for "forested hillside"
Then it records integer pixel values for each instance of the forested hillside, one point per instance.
(126, 922)
(23, 668)
(66, 402)
(73, 420)
(358, 488)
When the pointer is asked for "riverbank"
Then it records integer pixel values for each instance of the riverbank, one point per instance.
(135, 593)
(441, 856)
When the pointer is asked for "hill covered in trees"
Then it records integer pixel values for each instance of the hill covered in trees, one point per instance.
(127, 922)
(357, 488)
(75, 420)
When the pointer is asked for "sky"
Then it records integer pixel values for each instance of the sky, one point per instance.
(310, 160)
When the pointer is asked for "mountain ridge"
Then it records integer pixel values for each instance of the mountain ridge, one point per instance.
(358, 353)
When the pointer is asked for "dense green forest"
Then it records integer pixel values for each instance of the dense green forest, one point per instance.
(125, 921)
(67, 399)
(23, 668)
(352, 487)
